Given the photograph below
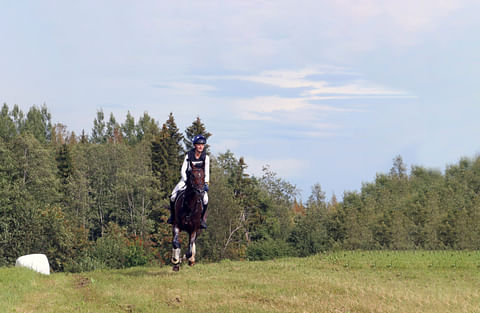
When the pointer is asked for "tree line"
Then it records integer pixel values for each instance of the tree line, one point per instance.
(101, 200)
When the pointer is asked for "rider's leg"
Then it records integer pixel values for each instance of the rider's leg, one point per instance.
(178, 187)
(204, 211)
(172, 212)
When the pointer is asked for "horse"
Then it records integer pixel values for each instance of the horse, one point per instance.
(188, 215)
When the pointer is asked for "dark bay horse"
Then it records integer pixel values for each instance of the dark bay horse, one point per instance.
(188, 215)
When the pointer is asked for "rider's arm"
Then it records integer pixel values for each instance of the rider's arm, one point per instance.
(207, 169)
(184, 168)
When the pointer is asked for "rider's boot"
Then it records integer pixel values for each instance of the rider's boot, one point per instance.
(203, 224)
(172, 212)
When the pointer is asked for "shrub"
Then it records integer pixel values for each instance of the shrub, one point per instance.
(84, 263)
(137, 253)
(268, 249)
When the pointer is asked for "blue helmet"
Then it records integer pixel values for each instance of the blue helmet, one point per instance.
(200, 139)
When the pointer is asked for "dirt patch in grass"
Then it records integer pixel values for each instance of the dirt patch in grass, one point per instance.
(81, 282)
(129, 308)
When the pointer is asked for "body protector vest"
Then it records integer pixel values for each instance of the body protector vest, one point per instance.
(198, 163)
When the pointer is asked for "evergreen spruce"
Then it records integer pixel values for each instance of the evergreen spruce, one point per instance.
(64, 163)
(99, 131)
(112, 129)
(38, 123)
(147, 128)
(197, 128)
(129, 130)
(167, 155)
(7, 126)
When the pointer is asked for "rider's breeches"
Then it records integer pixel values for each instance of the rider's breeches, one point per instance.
(181, 186)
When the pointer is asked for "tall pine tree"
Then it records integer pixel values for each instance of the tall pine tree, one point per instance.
(99, 128)
(113, 129)
(167, 155)
(147, 128)
(197, 128)
(129, 130)
(38, 123)
(7, 126)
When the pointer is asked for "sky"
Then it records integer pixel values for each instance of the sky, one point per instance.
(324, 92)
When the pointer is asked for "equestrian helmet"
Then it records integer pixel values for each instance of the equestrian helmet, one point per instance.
(199, 139)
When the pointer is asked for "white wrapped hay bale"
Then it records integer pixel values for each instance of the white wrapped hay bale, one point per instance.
(36, 262)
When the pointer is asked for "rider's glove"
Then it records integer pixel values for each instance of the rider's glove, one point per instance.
(206, 187)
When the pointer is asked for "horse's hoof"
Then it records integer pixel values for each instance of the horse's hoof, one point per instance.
(191, 263)
(176, 268)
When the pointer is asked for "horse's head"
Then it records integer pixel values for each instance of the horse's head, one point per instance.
(196, 179)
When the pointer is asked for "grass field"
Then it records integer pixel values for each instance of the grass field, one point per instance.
(411, 281)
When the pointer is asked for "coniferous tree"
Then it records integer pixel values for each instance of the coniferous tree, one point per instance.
(112, 129)
(64, 163)
(18, 119)
(167, 155)
(99, 131)
(38, 123)
(146, 128)
(83, 137)
(129, 130)
(59, 135)
(7, 126)
(316, 198)
(174, 147)
(197, 128)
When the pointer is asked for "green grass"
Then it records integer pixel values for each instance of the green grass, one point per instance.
(387, 281)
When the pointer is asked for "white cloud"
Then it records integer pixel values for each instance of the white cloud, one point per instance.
(178, 87)
(261, 108)
(312, 90)
(355, 88)
(285, 168)
(300, 79)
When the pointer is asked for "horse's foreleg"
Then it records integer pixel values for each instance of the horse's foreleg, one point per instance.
(176, 246)
(192, 249)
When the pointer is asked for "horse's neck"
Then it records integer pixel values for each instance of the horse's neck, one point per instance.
(190, 193)
(191, 197)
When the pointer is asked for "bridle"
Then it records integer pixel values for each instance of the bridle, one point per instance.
(199, 189)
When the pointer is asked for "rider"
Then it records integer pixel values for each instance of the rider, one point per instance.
(199, 158)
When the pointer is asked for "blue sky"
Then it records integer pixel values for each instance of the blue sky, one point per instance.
(324, 92)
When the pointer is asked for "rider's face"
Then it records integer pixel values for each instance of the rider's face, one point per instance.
(199, 147)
